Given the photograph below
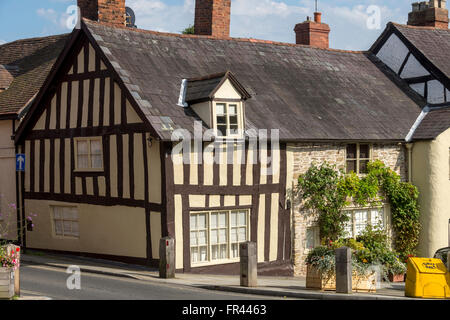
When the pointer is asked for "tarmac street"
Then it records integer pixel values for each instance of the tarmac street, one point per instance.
(47, 275)
(51, 283)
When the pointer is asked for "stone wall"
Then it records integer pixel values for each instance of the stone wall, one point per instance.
(304, 154)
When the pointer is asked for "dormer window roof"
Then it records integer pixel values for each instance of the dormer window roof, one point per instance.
(204, 88)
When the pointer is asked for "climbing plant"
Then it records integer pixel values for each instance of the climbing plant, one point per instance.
(328, 191)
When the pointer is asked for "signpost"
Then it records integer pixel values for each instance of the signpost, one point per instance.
(20, 162)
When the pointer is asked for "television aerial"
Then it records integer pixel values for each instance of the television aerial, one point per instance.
(130, 17)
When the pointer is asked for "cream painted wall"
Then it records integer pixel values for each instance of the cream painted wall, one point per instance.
(430, 173)
(8, 177)
(203, 110)
(104, 230)
(227, 91)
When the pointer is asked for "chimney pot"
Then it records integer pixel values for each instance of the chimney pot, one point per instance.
(318, 17)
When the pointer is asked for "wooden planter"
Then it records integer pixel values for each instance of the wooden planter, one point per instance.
(6, 283)
(315, 280)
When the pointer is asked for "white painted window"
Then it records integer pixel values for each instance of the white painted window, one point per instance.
(65, 221)
(358, 156)
(360, 218)
(215, 236)
(229, 120)
(89, 154)
(312, 237)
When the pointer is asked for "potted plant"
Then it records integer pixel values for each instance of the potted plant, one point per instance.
(9, 262)
(321, 266)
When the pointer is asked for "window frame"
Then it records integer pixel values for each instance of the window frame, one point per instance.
(209, 245)
(53, 223)
(240, 118)
(369, 217)
(358, 158)
(88, 140)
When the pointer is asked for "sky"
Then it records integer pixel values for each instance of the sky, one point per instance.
(355, 25)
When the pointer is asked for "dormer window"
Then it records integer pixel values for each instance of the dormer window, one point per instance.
(227, 119)
(219, 100)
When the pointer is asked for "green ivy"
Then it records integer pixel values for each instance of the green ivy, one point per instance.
(329, 191)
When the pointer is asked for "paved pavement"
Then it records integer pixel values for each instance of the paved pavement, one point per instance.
(290, 287)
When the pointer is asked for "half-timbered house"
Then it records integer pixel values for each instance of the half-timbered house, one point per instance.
(102, 138)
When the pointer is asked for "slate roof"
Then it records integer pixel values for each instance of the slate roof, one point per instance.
(29, 61)
(307, 93)
(435, 122)
(433, 43)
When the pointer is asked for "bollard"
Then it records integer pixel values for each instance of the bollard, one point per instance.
(167, 258)
(249, 268)
(344, 270)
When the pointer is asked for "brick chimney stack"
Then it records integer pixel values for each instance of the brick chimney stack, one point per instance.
(431, 13)
(313, 33)
(108, 11)
(212, 18)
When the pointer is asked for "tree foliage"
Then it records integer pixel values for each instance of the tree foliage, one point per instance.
(188, 30)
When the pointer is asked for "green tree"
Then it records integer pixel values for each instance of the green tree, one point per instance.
(188, 30)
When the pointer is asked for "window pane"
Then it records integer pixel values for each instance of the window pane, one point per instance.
(363, 166)
(67, 225)
(242, 234)
(56, 212)
(234, 219)
(242, 218)
(214, 236)
(214, 218)
(351, 151)
(203, 253)
(221, 130)
(360, 221)
(193, 238)
(96, 147)
(232, 109)
(202, 238)
(364, 151)
(58, 227)
(223, 251)
(201, 221)
(75, 231)
(83, 161)
(214, 252)
(235, 250)
(351, 166)
(376, 217)
(82, 147)
(221, 120)
(223, 220)
(220, 109)
(234, 236)
(194, 254)
(223, 235)
(97, 161)
(193, 222)
(310, 238)
(348, 227)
